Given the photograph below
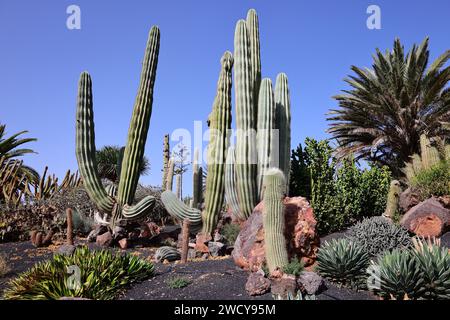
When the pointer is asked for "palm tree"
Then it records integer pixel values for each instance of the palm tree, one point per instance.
(389, 106)
(109, 163)
(9, 151)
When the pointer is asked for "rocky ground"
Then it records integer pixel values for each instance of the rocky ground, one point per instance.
(216, 279)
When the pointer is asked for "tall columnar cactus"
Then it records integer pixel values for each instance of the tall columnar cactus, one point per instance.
(266, 124)
(230, 185)
(178, 186)
(283, 119)
(166, 157)
(246, 169)
(197, 181)
(273, 219)
(219, 125)
(393, 198)
(255, 54)
(429, 154)
(181, 211)
(120, 206)
(170, 173)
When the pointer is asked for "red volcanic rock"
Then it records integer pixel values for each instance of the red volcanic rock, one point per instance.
(300, 231)
(428, 218)
(257, 284)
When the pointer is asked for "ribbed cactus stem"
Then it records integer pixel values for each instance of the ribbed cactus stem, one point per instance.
(283, 118)
(140, 122)
(166, 157)
(392, 200)
(429, 154)
(167, 253)
(255, 55)
(273, 220)
(219, 125)
(85, 146)
(185, 240)
(246, 157)
(266, 124)
(180, 211)
(178, 186)
(196, 180)
(230, 185)
(69, 219)
(170, 173)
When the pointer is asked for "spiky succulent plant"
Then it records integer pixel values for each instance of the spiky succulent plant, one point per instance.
(377, 235)
(397, 275)
(343, 262)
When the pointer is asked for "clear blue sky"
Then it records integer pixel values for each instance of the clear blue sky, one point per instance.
(314, 42)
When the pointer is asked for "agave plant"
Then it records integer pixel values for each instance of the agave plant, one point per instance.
(434, 263)
(398, 276)
(381, 117)
(343, 262)
(102, 276)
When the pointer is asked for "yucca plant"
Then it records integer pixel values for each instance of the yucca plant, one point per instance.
(103, 275)
(381, 117)
(343, 262)
(434, 264)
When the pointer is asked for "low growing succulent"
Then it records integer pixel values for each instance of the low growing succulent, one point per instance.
(343, 262)
(396, 275)
(295, 267)
(377, 235)
(102, 276)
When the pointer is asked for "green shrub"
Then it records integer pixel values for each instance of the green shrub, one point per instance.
(343, 262)
(230, 231)
(295, 267)
(342, 193)
(178, 283)
(434, 181)
(377, 235)
(103, 275)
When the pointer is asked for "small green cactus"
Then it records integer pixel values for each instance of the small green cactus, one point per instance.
(273, 220)
(393, 198)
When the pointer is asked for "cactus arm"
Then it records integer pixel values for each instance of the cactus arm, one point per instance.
(167, 253)
(246, 169)
(220, 124)
(140, 121)
(180, 211)
(255, 54)
(283, 115)
(141, 209)
(273, 219)
(85, 146)
(230, 185)
(266, 123)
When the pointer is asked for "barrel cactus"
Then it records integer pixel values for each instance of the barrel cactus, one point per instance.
(120, 206)
(273, 220)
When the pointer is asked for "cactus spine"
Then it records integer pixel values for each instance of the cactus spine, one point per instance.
(273, 219)
(283, 118)
(166, 157)
(220, 124)
(246, 169)
(266, 122)
(181, 211)
(392, 200)
(120, 206)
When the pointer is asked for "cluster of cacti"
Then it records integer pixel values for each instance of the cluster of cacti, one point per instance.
(219, 124)
(181, 211)
(273, 220)
(40, 239)
(429, 157)
(12, 187)
(260, 114)
(121, 206)
(392, 201)
(377, 235)
(166, 158)
(167, 253)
